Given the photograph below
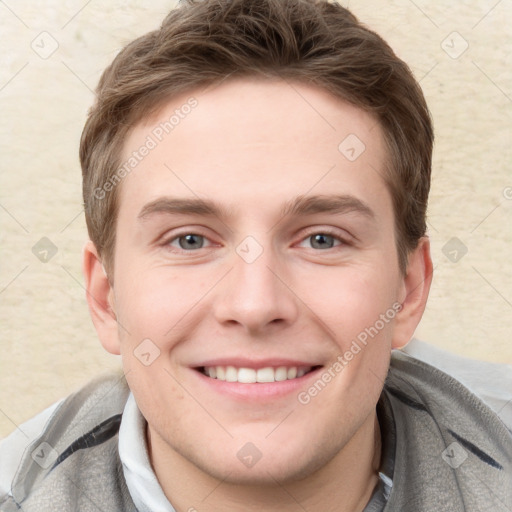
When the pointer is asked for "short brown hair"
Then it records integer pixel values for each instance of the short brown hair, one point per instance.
(315, 42)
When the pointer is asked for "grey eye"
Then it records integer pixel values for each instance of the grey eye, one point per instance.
(190, 242)
(322, 241)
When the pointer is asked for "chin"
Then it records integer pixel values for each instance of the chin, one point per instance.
(283, 464)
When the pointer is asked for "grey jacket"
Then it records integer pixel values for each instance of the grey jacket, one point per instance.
(450, 452)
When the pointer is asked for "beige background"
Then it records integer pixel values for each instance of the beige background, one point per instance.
(48, 344)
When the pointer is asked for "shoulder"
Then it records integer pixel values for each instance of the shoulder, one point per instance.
(84, 419)
(445, 434)
(491, 382)
(14, 446)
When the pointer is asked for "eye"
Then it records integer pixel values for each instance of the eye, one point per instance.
(189, 242)
(321, 241)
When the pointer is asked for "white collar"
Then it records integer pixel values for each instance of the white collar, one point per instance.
(146, 493)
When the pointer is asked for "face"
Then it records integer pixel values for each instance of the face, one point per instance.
(256, 280)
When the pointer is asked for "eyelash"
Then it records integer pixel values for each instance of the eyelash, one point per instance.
(327, 232)
(169, 241)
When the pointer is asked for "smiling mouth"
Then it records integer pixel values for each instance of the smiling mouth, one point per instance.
(253, 376)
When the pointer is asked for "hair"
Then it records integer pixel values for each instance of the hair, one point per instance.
(204, 42)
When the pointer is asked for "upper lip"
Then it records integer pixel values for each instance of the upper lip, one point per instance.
(255, 363)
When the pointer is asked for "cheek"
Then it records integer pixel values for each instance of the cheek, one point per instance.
(358, 307)
(353, 299)
(154, 388)
(157, 302)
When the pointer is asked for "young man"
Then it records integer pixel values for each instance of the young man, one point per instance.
(256, 178)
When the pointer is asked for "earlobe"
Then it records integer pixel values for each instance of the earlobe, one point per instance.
(414, 293)
(100, 298)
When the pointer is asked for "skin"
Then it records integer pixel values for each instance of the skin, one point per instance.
(253, 146)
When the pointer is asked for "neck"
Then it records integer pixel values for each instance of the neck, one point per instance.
(343, 484)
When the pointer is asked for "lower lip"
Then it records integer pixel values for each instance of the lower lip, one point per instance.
(258, 391)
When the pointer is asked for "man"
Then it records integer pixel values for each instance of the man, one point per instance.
(256, 177)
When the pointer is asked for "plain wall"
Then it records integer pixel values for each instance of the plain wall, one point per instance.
(48, 343)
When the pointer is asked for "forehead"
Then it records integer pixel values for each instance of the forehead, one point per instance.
(248, 140)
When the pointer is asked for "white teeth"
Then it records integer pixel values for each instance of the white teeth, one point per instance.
(250, 375)
(246, 375)
(265, 375)
(292, 372)
(231, 374)
(281, 373)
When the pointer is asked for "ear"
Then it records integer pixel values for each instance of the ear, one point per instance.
(100, 298)
(414, 293)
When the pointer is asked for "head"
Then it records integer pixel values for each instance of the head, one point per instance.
(275, 218)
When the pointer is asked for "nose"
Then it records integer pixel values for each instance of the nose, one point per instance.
(255, 296)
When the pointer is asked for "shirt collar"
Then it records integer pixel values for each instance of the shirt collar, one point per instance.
(146, 493)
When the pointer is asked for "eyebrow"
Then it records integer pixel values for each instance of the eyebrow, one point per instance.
(310, 205)
(299, 206)
(178, 206)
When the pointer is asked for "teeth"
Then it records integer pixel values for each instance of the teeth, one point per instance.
(246, 375)
(265, 375)
(231, 374)
(281, 373)
(250, 375)
(292, 372)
